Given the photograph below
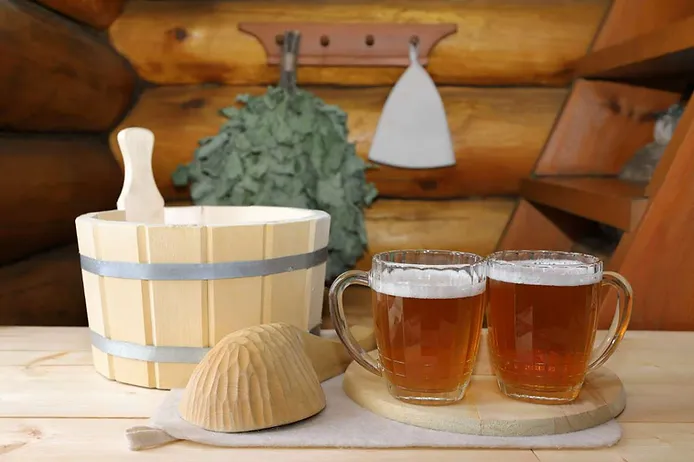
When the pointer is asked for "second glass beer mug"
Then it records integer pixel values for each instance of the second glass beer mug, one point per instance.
(542, 316)
(428, 308)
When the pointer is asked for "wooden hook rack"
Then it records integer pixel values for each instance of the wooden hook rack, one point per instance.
(352, 44)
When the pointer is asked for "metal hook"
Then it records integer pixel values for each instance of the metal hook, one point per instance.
(414, 49)
(290, 53)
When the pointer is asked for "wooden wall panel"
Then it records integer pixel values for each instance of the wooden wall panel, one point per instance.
(48, 181)
(602, 126)
(96, 13)
(55, 76)
(628, 19)
(44, 290)
(534, 227)
(470, 226)
(498, 41)
(498, 134)
(659, 256)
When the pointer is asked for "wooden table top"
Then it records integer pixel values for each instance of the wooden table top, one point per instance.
(55, 407)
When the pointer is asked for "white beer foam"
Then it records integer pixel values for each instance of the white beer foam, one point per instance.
(564, 273)
(427, 283)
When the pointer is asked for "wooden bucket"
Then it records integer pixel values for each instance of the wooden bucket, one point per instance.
(160, 295)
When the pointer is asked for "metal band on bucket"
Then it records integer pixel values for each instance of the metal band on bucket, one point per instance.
(152, 353)
(203, 271)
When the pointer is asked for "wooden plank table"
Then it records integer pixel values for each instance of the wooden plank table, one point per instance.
(55, 407)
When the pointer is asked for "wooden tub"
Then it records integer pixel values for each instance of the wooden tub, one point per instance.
(159, 295)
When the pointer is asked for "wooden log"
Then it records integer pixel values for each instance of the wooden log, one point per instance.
(497, 42)
(56, 76)
(497, 133)
(96, 13)
(44, 290)
(470, 226)
(48, 182)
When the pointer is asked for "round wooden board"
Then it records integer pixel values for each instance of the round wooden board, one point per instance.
(486, 411)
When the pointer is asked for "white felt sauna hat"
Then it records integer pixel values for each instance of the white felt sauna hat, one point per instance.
(255, 378)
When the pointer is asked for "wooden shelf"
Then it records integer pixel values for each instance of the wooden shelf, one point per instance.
(665, 52)
(605, 200)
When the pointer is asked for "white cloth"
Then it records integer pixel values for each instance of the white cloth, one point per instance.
(345, 424)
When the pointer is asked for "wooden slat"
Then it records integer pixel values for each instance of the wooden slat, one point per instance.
(96, 13)
(634, 361)
(49, 181)
(673, 147)
(58, 440)
(534, 226)
(56, 76)
(659, 260)
(629, 19)
(605, 200)
(174, 42)
(44, 290)
(602, 126)
(497, 134)
(647, 363)
(54, 412)
(471, 226)
(666, 51)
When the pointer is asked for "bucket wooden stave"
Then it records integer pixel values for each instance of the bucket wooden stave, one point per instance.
(158, 320)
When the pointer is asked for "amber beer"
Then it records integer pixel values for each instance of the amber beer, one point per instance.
(542, 317)
(427, 326)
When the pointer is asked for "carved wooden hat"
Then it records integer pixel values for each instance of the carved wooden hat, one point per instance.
(254, 378)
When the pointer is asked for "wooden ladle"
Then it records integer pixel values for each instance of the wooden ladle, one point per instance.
(140, 198)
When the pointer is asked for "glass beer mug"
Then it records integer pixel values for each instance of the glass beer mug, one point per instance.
(542, 314)
(427, 307)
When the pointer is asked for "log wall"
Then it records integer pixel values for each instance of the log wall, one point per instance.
(503, 78)
(44, 290)
(62, 89)
(95, 13)
(497, 134)
(56, 76)
(49, 181)
(499, 42)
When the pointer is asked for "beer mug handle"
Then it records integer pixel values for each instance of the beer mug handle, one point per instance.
(620, 321)
(337, 313)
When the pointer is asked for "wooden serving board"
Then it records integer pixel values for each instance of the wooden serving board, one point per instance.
(486, 411)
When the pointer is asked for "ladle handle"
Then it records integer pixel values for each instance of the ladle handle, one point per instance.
(140, 197)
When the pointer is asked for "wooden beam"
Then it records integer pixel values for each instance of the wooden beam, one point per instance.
(605, 200)
(673, 147)
(96, 13)
(629, 19)
(659, 261)
(44, 290)
(497, 134)
(665, 51)
(602, 126)
(55, 76)
(48, 182)
(533, 226)
(499, 42)
(470, 226)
